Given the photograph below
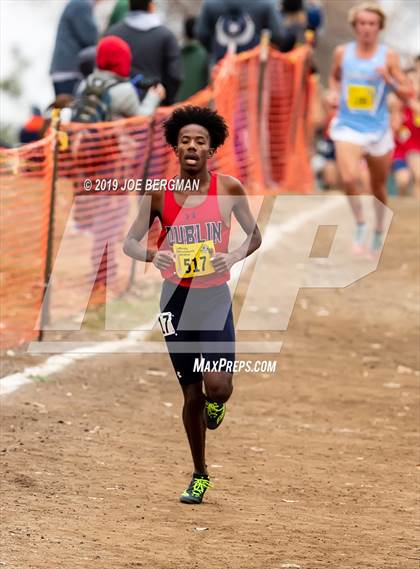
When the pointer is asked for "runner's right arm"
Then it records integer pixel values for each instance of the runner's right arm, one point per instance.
(334, 79)
(395, 111)
(148, 211)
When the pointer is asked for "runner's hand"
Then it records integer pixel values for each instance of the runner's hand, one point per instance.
(415, 106)
(163, 260)
(333, 99)
(386, 76)
(222, 262)
(159, 90)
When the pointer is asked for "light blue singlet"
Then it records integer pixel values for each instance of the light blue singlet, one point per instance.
(363, 104)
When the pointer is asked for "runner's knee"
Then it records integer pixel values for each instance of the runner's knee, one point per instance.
(350, 181)
(403, 178)
(218, 386)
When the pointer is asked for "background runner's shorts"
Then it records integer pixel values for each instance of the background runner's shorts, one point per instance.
(196, 322)
(373, 143)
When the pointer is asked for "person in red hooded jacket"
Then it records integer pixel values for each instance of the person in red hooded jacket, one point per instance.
(113, 66)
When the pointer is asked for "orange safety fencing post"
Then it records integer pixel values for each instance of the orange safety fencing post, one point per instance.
(265, 97)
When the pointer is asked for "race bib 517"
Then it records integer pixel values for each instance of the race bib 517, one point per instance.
(193, 260)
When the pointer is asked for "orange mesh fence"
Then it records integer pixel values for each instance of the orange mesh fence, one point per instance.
(241, 157)
(298, 174)
(266, 106)
(26, 181)
(94, 205)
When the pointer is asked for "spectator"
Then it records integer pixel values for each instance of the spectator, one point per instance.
(156, 54)
(76, 31)
(194, 63)
(293, 13)
(103, 215)
(314, 15)
(33, 128)
(113, 61)
(303, 19)
(238, 23)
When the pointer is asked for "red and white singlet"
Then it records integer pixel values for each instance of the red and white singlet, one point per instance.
(194, 234)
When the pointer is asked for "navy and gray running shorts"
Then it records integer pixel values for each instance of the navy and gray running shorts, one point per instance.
(197, 323)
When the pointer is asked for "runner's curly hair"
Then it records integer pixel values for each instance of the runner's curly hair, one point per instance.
(213, 122)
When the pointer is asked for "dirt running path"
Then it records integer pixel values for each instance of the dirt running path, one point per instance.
(313, 468)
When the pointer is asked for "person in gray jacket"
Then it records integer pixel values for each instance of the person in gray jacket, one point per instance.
(156, 54)
(237, 24)
(76, 31)
(113, 65)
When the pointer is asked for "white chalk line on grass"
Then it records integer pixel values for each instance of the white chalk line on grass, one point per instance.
(58, 363)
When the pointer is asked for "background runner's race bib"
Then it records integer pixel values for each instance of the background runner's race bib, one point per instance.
(193, 260)
(361, 97)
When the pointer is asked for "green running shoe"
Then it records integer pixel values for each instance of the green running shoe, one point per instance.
(214, 414)
(196, 490)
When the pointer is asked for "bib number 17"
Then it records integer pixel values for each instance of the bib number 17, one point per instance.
(165, 321)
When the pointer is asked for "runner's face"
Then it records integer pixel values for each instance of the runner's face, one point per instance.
(367, 26)
(193, 148)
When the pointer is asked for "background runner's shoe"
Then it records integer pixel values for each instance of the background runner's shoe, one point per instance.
(215, 413)
(376, 248)
(359, 246)
(196, 490)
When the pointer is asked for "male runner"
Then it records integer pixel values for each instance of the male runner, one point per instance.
(405, 119)
(362, 74)
(194, 260)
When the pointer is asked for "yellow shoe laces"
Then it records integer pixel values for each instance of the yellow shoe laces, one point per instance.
(213, 410)
(200, 486)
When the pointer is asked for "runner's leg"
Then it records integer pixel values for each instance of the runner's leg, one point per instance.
(173, 301)
(348, 157)
(218, 385)
(218, 329)
(413, 159)
(379, 168)
(402, 178)
(192, 416)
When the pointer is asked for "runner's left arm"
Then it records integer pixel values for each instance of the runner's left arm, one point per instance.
(395, 77)
(224, 261)
(395, 111)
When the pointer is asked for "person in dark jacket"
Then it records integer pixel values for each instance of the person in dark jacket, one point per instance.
(194, 63)
(238, 23)
(76, 31)
(301, 17)
(156, 54)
